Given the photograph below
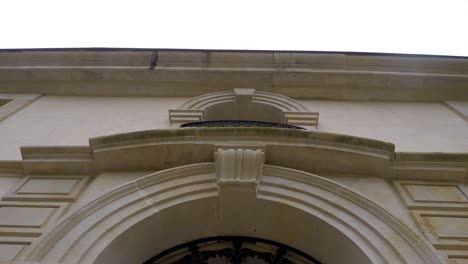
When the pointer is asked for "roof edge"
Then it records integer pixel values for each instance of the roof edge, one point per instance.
(114, 49)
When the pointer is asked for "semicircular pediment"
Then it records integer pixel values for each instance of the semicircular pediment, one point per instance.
(244, 104)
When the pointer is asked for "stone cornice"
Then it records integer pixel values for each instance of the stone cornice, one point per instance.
(315, 152)
(11, 168)
(242, 134)
(301, 75)
(305, 150)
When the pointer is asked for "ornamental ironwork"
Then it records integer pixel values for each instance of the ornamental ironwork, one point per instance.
(239, 123)
(232, 249)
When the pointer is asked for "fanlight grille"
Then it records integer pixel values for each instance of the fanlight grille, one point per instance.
(232, 249)
(239, 123)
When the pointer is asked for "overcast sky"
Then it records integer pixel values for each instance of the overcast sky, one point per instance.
(395, 26)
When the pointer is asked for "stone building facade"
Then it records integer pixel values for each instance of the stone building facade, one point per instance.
(321, 158)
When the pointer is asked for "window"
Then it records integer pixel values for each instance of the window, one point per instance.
(244, 105)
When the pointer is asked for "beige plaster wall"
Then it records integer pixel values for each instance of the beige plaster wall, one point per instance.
(71, 120)
(6, 183)
(413, 127)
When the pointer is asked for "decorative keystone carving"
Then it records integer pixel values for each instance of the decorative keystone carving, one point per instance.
(243, 104)
(244, 94)
(239, 166)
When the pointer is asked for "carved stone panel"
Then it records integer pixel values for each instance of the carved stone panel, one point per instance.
(435, 193)
(459, 260)
(430, 195)
(24, 216)
(239, 166)
(449, 227)
(445, 230)
(47, 189)
(27, 219)
(11, 103)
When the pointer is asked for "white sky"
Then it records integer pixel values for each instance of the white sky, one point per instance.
(396, 26)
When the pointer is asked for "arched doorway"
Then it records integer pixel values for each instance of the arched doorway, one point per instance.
(162, 210)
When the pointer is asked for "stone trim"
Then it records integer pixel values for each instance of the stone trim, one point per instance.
(455, 256)
(460, 108)
(15, 102)
(243, 135)
(304, 75)
(34, 204)
(44, 194)
(182, 175)
(435, 231)
(438, 208)
(292, 111)
(433, 195)
(83, 235)
(58, 160)
(9, 168)
(31, 230)
(236, 166)
(315, 152)
(284, 147)
(341, 192)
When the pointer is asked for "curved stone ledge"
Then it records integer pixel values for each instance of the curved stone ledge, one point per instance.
(314, 152)
(306, 150)
(304, 136)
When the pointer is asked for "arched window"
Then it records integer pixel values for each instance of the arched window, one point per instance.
(244, 104)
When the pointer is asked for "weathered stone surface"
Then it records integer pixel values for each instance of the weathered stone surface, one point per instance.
(112, 179)
(304, 75)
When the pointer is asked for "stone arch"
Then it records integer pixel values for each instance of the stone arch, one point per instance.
(137, 220)
(244, 104)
